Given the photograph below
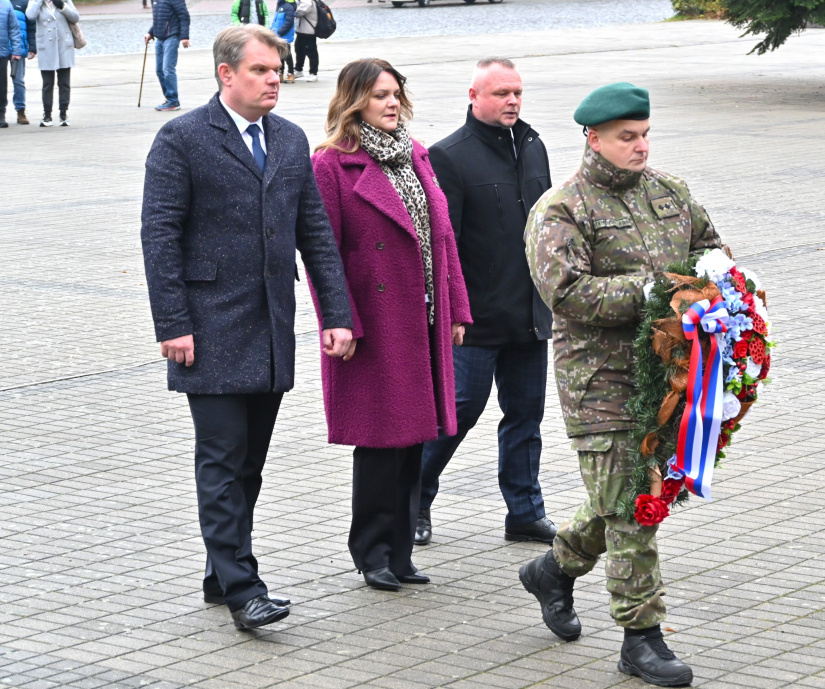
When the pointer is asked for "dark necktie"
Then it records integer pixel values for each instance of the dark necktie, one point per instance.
(257, 150)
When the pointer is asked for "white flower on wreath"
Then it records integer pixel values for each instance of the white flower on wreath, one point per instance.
(731, 406)
(750, 275)
(753, 369)
(714, 265)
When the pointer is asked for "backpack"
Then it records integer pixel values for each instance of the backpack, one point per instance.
(326, 25)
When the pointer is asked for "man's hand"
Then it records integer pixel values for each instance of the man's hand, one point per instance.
(15, 57)
(458, 334)
(147, 38)
(337, 342)
(185, 42)
(181, 349)
(31, 55)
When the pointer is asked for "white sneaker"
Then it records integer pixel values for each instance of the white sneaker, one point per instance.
(311, 77)
(299, 75)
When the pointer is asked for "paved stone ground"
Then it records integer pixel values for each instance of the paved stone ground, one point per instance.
(100, 555)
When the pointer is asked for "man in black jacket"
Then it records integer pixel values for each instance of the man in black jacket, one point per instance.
(170, 28)
(492, 170)
(229, 196)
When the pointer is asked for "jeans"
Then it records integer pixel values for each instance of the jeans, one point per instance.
(306, 47)
(64, 88)
(520, 372)
(166, 61)
(19, 82)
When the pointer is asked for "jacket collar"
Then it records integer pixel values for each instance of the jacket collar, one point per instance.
(220, 118)
(492, 133)
(605, 175)
(376, 189)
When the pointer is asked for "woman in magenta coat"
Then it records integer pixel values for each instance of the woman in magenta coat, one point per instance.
(395, 387)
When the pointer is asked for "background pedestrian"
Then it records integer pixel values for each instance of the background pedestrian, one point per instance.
(394, 388)
(284, 26)
(170, 28)
(306, 44)
(28, 31)
(55, 53)
(11, 47)
(250, 11)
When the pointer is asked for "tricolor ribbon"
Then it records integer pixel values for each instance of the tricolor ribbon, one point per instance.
(702, 419)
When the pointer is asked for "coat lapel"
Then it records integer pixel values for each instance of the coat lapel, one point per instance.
(232, 142)
(374, 187)
(274, 148)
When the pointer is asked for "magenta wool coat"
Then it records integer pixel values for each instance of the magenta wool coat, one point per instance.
(384, 396)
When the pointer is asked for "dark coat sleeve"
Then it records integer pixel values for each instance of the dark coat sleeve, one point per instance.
(166, 200)
(319, 252)
(449, 178)
(183, 16)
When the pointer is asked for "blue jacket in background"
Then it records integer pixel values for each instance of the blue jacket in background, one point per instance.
(284, 23)
(28, 27)
(170, 18)
(10, 43)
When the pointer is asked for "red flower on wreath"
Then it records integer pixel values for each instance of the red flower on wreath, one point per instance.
(747, 300)
(759, 324)
(757, 350)
(724, 439)
(650, 510)
(740, 349)
(671, 487)
(766, 367)
(747, 335)
(738, 280)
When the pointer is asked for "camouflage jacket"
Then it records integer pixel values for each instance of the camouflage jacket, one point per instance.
(592, 245)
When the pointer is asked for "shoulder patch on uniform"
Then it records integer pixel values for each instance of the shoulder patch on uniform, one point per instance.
(664, 207)
(620, 222)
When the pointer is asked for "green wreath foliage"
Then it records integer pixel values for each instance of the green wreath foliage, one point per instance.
(651, 377)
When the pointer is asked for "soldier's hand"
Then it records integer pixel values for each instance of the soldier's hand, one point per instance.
(181, 350)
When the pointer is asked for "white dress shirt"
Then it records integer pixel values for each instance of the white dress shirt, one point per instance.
(242, 123)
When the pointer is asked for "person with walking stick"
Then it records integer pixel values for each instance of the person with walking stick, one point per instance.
(170, 28)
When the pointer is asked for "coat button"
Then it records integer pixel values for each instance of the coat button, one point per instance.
(379, 246)
(380, 286)
(270, 231)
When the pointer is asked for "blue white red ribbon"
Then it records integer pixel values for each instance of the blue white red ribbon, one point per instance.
(702, 419)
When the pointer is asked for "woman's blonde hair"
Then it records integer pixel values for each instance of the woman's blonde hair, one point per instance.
(352, 95)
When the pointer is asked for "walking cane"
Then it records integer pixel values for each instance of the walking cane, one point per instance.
(143, 71)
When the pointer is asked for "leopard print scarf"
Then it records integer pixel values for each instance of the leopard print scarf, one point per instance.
(393, 152)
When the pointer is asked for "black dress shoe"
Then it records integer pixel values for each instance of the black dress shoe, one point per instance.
(542, 530)
(645, 654)
(382, 579)
(258, 612)
(554, 589)
(415, 578)
(217, 599)
(423, 528)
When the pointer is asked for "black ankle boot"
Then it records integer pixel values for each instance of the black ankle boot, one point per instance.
(423, 528)
(554, 589)
(646, 655)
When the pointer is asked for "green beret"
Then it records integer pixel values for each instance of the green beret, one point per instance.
(621, 101)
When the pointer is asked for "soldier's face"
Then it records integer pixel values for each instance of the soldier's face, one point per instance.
(623, 143)
(496, 96)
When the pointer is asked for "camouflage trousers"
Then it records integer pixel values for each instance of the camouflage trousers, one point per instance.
(632, 562)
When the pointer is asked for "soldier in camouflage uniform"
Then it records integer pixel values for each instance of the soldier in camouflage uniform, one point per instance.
(593, 245)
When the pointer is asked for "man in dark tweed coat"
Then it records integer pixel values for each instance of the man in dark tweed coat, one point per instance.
(229, 196)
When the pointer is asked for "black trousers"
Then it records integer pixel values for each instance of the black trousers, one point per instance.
(290, 65)
(4, 85)
(232, 434)
(64, 88)
(306, 46)
(386, 488)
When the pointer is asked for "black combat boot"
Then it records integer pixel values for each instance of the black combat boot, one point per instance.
(423, 528)
(554, 589)
(645, 654)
